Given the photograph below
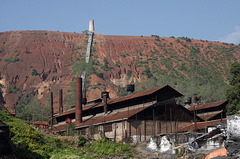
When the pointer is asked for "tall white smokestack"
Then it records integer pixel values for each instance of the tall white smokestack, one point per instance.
(91, 26)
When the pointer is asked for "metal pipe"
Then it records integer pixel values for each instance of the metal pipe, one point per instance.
(60, 101)
(78, 100)
(105, 95)
(51, 113)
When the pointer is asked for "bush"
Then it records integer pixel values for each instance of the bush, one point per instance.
(108, 148)
(11, 60)
(28, 143)
(34, 72)
(13, 89)
(81, 140)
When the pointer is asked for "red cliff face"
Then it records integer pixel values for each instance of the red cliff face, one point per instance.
(48, 53)
(41, 61)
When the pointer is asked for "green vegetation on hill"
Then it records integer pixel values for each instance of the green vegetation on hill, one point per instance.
(233, 93)
(11, 60)
(190, 66)
(30, 108)
(27, 143)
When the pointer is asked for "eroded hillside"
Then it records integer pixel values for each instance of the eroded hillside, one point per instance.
(37, 62)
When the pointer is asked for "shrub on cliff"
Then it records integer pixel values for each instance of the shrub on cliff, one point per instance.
(34, 72)
(11, 60)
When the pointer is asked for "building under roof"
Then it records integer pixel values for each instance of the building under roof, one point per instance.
(210, 111)
(134, 117)
(200, 126)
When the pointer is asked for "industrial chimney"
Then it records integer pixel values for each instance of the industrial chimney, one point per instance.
(91, 26)
(105, 95)
(84, 101)
(51, 113)
(60, 101)
(130, 89)
(196, 99)
(188, 102)
(78, 100)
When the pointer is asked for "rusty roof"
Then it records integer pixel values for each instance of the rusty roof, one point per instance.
(95, 120)
(37, 122)
(209, 115)
(200, 125)
(208, 105)
(73, 110)
(121, 99)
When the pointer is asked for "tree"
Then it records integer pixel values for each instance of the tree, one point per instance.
(147, 72)
(233, 93)
(34, 72)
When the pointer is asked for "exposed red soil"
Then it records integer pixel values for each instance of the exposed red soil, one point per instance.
(51, 55)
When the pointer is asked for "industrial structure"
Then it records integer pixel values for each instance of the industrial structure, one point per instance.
(212, 114)
(137, 116)
(210, 111)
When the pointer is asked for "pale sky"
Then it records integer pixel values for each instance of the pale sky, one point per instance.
(213, 20)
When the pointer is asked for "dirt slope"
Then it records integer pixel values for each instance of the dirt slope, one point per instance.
(40, 61)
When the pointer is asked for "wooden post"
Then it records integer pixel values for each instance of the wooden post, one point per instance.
(122, 130)
(171, 118)
(144, 129)
(115, 131)
(160, 127)
(153, 122)
(136, 132)
(129, 130)
(166, 125)
(140, 134)
(195, 124)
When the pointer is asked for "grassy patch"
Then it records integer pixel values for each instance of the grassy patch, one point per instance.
(104, 147)
(11, 60)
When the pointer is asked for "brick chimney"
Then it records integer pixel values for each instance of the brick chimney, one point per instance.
(105, 95)
(130, 89)
(78, 101)
(51, 113)
(60, 101)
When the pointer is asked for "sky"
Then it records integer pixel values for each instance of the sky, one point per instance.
(213, 20)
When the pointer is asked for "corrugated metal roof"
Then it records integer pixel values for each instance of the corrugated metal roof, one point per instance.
(121, 99)
(200, 125)
(37, 122)
(73, 110)
(208, 105)
(209, 115)
(104, 119)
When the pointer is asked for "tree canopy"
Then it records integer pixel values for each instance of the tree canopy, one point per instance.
(233, 93)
